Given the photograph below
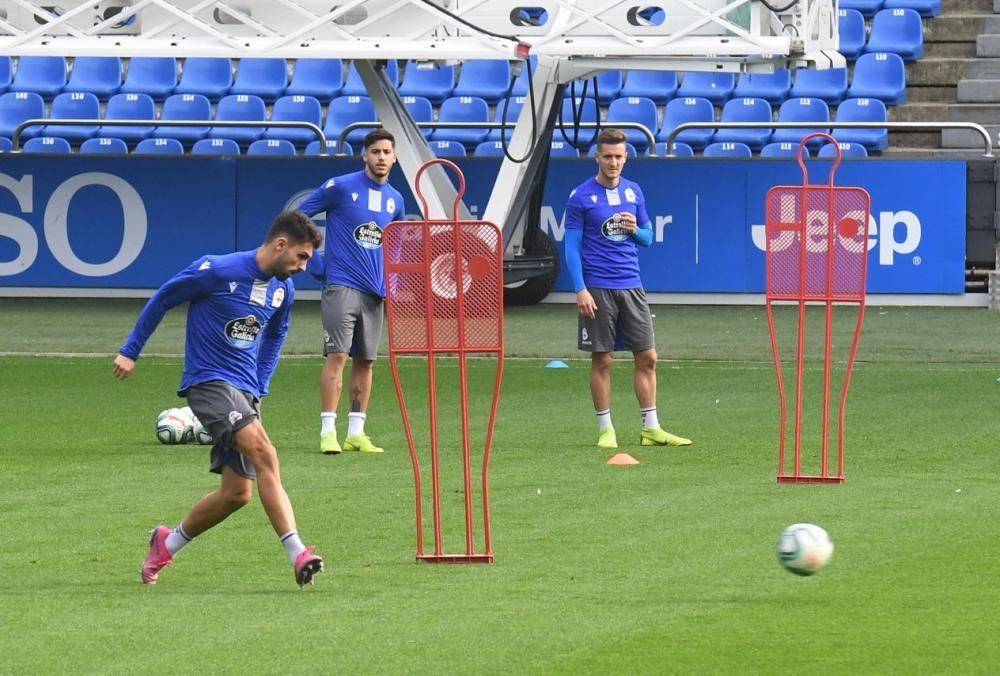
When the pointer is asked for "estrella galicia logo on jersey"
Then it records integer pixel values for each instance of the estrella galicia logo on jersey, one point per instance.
(243, 332)
(368, 235)
(612, 229)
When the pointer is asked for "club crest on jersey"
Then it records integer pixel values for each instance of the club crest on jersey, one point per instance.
(629, 195)
(243, 332)
(612, 229)
(278, 298)
(235, 417)
(368, 235)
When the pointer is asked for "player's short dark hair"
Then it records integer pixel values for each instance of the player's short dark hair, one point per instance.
(297, 227)
(611, 137)
(380, 134)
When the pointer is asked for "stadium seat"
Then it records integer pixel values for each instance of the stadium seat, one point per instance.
(185, 107)
(562, 149)
(421, 110)
(212, 77)
(448, 148)
(74, 106)
(900, 31)
(521, 81)
(716, 87)
(47, 144)
(926, 8)
(98, 75)
(851, 26)
(745, 110)
(489, 79)
(355, 87)
(659, 86)
(128, 107)
(783, 149)
(772, 87)
(266, 78)
(320, 78)
(609, 86)
(17, 107)
(680, 149)
(847, 150)
(5, 144)
(295, 108)
(638, 110)
(801, 110)
(434, 84)
(104, 145)
(331, 148)
(239, 108)
(152, 75)
(463, 109)
(43, 75)
(271, 146)
(489, 149)
(727, 150)
(159, 146)
(511, 112)
(216, 146)
(863, 110)
(6, 73)
(630, 151)
(345, 110)
(879, 75)
(688, 109)
(830, 85)
(866, 7)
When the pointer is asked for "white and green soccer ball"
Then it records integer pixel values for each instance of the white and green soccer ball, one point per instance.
(804, 548)
(200, 434)
(175, 426)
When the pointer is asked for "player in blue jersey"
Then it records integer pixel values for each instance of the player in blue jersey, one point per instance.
(238, 317)
(358, 206)
(606, 222)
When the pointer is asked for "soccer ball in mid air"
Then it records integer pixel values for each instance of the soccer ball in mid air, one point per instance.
(174, 426)
(804, 548)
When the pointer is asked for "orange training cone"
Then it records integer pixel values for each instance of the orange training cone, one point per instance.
(622, 459)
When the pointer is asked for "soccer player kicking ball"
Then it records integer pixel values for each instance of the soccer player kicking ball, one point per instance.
(606, 222)
(238, 317)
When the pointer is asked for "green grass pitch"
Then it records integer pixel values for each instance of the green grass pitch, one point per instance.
(666, 567)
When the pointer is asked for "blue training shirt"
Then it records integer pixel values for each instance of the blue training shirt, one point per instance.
(357, 211)
(237, 321)
(609, 254)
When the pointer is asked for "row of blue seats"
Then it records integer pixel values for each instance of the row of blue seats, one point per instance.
(872, 7)
(900, 31)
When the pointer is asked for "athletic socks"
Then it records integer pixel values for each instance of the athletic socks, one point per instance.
(177, 540)
(355, 423)
(604, 419)
(649, 418)
(293, 545)
(329, 422)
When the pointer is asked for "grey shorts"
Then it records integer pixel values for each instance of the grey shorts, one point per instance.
(224, 410)
(352, 322)
(622, 322)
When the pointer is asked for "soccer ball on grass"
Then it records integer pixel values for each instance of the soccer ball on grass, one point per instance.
(804, 548)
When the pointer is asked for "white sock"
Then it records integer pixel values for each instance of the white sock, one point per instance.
(649, 418)
(355, 423)
(293, 544)
(177, 540)
(329, 422)
(604, 420)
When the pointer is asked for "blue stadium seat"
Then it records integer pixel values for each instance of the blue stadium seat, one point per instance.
(216, 146)
(99, 75)
(104, 145)
(239, 108)
(331, 148)
(320, 78)
(345, 110)
(489, 79)
(17, 107)
(448, 148)
(511, 111)
(784, 149)
(434, 84)
(900, 31)
(5, 144)
(688, 109)
(43, 75)
(926, 8)
(830, 85)
(70, 106)
(630, 151)
(634, 109)
(185, 107)
(271, 146)
(716, 87)
(863, 110)
(680, 149)
(489, 149)
(847, 150)
(851, 26)
(659, 86)
(866, 7)
(463, 109)
(772, 87)
(801, 110)
(46, 144)
(266, 78)
(295, 108)
(355, 87)
(879, 75)
(159, 146)
(6, 73)
(609, 86)
(128, 107)
(745, 110)
(212, 77)
(727, 150)
(155, 76)
(562, 149)
(521, 81)
(421, 110)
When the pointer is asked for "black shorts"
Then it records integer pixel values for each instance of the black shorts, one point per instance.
(223, 410)
(622, 322)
